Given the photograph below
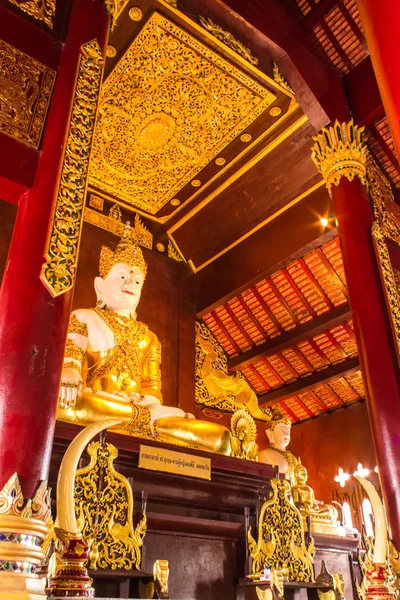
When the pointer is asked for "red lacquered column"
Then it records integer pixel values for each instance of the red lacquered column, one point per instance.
(33, 324)
(381, 23)
(344, 169)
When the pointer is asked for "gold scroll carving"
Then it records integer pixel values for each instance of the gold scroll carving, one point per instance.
(227, 38)
(61, 253)
(104, 511)
(280, 80)
(386, 228)
(113, 222)
(114, 9)
(173, 252)
(340, 151)
(25, 93)
(42, 10)
(214, 387)
(167, 109)
(281, 541)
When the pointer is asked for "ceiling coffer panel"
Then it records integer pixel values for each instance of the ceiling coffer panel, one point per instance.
(167, 109)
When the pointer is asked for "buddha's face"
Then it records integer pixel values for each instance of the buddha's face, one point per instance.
(279, 436)
(121, 289)
(301, 474)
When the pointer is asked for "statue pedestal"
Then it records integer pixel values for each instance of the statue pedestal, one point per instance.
(15, 586)
(196, 524)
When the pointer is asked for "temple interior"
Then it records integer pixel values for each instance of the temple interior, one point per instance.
(200, 299)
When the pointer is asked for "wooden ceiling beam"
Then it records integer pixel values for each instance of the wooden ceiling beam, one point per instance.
(301, 386)
(363, 94)
(274, 246)
(292, 337)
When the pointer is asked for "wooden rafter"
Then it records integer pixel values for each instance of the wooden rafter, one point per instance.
(313, 381)
(334, 395)
(252, 317)
(315, 283)
(259, 377)
(239, 325)
(320, 403)
(290, 338)
(337, 47)
(225, 332)
(332, 273)
(289, 412)
(304, 407)
(266, 308)
(298, 293)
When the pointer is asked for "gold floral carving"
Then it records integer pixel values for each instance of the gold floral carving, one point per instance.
(281, 541)
(42, 10)
(104, 511)
(227, 38)
(280, 80)
(340, 151)
(243, 436)
(386, 228)
(139, 231)
(168, 108)
(25, 93)
(214, 387)
(58, 272)
(174, 253)
(96, 202)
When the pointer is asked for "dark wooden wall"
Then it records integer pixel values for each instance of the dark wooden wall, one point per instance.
(166, 306)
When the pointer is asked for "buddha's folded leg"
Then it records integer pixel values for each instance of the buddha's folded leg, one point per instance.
(91, 407)
(195, 434)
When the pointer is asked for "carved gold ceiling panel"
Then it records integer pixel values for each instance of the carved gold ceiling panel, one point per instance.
(25, 92)
(167, 109)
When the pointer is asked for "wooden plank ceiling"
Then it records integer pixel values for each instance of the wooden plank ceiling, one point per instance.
(292, 337)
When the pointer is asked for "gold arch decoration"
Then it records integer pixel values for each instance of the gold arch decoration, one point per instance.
(61, 254)
(281, 541)
(113, 223)
(25, 92)
(104, 512)
(215, 388)
(168, 108)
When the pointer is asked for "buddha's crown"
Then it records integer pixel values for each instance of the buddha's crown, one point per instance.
(126, 252)
(276, 417)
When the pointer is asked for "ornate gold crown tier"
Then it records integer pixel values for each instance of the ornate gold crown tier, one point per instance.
(126, 252)
(340, 151)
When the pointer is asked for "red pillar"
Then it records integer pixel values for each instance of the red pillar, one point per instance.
(370, 317)
(33, 325)
(381, 23)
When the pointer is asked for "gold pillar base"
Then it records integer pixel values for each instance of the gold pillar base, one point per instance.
(16, 586)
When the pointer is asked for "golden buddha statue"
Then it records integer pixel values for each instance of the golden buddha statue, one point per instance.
(278, 429)
(323, 517)
(112, 362)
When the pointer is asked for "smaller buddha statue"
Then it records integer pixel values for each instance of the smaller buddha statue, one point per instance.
(324, 517)
(278, 432)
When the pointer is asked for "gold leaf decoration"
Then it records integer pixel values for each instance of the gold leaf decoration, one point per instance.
(227, 38)
(25, 92)
(42, 10)
(58, 271)
(168, 108)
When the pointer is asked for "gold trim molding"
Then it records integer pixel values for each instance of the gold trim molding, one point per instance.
(42, 10)
(25, 92)
(340, 151)
(158, 128)
(61, 254)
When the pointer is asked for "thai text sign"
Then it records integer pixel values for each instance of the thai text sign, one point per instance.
(169, 461)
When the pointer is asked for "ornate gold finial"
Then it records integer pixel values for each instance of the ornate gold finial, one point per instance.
(340, 151)
(127, 252)
(276, 417)
(280, 80)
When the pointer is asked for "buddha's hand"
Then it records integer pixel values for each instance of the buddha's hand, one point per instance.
(146, 400)
(71, 385)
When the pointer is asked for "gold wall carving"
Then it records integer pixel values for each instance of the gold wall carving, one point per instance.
(114, 9)
(42, 10)
(281, 541)
(96, 202)
(340, 151)
(173, 252)
(58, 272)
(214, 387)
(386, 228)
(168, 108)
(25, 93)
(104, 511)
(227, 38)
(139, 231)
